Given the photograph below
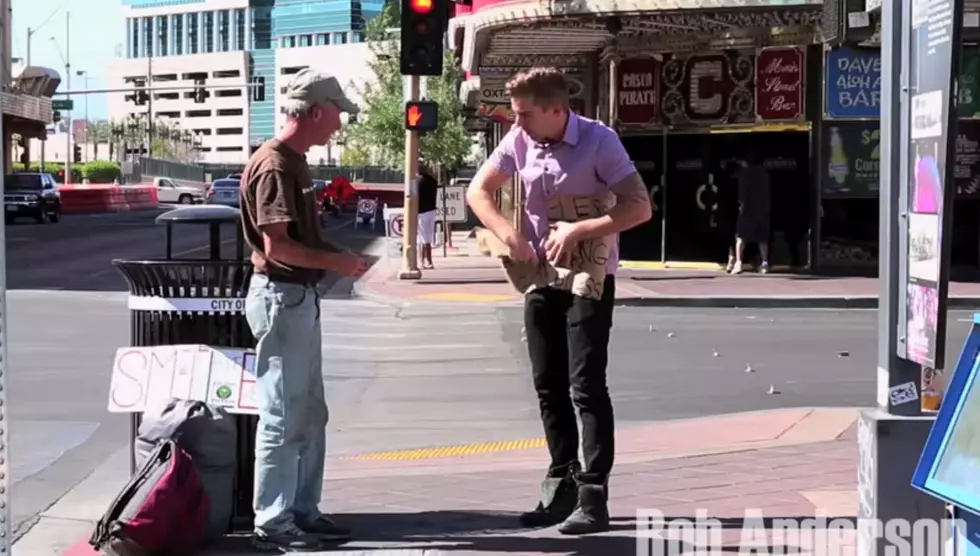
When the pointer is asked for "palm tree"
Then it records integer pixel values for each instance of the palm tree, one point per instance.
(97, 133)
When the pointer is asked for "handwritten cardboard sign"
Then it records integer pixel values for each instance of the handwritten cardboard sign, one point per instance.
(581, 271)
(779, 84)
(147, 377)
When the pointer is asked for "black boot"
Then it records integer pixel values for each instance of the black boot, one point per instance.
(592, 513)
(558, 500)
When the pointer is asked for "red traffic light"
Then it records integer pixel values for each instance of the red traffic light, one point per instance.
(421, 6)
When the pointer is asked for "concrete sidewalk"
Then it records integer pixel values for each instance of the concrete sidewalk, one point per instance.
(466, 275)
(464, 500)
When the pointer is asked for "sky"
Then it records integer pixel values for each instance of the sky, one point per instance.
(98, 30)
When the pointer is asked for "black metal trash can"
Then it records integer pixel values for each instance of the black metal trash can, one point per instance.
(174, 284)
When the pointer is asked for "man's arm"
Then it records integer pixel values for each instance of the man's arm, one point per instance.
(494, 173)
(275, 210)
(632, 208)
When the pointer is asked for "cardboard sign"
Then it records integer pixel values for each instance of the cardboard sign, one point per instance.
(147, 377)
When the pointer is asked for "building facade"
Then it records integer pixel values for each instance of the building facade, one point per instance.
(226, 44)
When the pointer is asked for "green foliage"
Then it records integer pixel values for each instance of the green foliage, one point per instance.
(101, 171)
(97, 171)
(380, 133)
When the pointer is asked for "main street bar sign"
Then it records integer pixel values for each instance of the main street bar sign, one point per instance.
(638, 91)
(779, 75)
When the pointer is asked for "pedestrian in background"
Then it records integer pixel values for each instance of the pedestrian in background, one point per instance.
(557, 152)
(754, 219)
(428, 213)
(280, 224)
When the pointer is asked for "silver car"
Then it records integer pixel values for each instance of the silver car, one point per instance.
(224, 192)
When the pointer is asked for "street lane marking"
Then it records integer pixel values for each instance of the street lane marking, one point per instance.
(453, 451)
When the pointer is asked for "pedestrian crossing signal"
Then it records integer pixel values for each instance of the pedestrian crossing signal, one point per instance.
(421, 116)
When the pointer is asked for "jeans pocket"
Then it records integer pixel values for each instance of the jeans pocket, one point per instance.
(257, 312)
(291, 296)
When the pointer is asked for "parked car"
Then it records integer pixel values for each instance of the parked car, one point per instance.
(169, 191)
(224, 192)
(234, 177)
(34, 195)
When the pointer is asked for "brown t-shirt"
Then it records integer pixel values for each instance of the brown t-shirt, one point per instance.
(277, 187)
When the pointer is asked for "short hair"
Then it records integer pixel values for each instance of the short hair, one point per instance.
(544, 86)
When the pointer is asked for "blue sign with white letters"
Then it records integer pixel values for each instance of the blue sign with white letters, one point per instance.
(852, 88)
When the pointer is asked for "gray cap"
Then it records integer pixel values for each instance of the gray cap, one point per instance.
(309, 88)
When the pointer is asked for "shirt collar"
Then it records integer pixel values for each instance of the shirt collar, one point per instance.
(571, 132)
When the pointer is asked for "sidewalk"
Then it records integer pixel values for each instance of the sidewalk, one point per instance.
(465, 275)
(464, 500)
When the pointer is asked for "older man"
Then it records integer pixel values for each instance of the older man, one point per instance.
(556, 152)
(280, 224)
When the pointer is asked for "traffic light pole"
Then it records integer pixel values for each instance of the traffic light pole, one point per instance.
(410, 262)
(68, 149)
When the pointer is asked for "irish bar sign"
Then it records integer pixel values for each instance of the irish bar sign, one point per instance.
(779, 84)
(638, 95)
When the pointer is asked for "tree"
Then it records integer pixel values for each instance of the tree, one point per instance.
(381, 131)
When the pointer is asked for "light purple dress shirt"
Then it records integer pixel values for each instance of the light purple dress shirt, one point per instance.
(587, 162)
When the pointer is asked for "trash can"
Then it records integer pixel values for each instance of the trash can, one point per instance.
(179, 282)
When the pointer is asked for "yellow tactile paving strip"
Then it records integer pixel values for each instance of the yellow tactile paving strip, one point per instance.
(453, 451)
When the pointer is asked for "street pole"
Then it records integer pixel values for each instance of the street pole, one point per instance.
(410, 264)
(5, 532)
(68, 86)
(149, 100)
(892, 435)
(27, 61)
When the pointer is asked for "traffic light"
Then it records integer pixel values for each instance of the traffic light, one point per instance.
(422, 31)
(55, 116)
(421, 116)
(258, 89)
(78, 153)
(199, 93)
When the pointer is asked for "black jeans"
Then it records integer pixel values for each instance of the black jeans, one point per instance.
(568, 343)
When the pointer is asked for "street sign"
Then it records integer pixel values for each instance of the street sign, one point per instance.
(63, 104)
(452, 204)
(394, 230)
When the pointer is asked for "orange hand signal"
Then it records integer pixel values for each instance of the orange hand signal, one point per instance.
(414, 115)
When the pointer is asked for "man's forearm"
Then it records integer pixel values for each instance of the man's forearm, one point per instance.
(486, 210)
(620, 218)
(296, 254)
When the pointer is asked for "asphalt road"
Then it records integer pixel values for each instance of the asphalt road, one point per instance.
(67, 316)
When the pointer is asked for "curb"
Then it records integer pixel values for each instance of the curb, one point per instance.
(362, 291)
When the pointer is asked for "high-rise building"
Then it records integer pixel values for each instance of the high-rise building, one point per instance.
(231, 42)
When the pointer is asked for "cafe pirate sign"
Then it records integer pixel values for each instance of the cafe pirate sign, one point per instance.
(638, 91)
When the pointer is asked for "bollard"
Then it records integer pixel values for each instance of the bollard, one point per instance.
(183, 284)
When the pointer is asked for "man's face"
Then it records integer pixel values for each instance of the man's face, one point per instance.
(540, 123)
(325, 122)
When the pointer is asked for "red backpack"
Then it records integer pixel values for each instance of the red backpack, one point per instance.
(162, 510)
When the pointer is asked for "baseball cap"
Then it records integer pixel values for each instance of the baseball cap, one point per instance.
(309, 88)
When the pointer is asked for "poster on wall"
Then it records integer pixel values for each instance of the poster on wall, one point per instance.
(853, 83)
(638, 91)
(933, 48)
(494, 103)
(779, 74)
(851, 160)
(709, 88)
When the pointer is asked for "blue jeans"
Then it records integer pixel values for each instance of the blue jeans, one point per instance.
(290, 444)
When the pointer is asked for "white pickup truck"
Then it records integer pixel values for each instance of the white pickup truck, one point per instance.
(169, 191)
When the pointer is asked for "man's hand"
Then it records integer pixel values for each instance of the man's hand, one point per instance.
(519, 249)
(563, 239)
(345, 264)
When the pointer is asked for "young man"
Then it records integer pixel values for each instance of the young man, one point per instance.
(428, 214)
(557, 152)
(279, 220)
